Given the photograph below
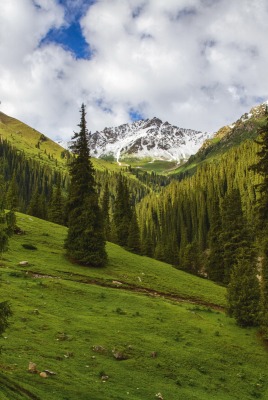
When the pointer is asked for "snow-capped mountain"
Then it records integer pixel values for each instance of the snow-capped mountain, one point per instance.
(147, 138)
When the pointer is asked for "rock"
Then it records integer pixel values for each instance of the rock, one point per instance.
(43, 374)
(104, 378)
(98, 349)
(117, 283)
(32, 368)
(159, 396)
(48, 372)
(153, 354)
(119, 355)
(23, 263)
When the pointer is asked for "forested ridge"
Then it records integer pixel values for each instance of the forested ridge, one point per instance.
(205, 224)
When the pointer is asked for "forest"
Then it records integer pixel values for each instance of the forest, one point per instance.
(211, 222)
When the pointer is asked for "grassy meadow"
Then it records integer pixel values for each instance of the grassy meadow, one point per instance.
(137, 329)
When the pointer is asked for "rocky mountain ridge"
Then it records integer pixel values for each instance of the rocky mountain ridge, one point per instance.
(150, 138)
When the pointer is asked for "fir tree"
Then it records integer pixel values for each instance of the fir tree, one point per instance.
(122, 212)
(12, 205)
(261, 167)
(85, 241)
(134, 243)
(243, 292)
(3, 222)
(215, 262)
(57, 206)
(235, 233)
(105, 212)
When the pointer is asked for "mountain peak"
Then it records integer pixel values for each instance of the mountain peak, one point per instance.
(147, 138)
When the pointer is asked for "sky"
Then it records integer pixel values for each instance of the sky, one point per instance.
(198, 64)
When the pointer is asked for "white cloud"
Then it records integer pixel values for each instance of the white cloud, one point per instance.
(197, 63)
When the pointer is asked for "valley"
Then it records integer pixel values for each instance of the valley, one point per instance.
(73, 320)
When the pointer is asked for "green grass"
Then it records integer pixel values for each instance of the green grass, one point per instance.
(147, 164)
(27, 139)
(72, 320)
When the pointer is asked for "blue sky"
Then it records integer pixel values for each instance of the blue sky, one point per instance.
(70, 38)
(197, 64)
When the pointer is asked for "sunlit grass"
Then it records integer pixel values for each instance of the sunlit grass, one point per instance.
(72, 320)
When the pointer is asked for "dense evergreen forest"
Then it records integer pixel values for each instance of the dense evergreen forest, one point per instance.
(206, 223)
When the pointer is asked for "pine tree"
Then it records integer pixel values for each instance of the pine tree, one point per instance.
(122, 212)
(105, 212)
(3, 222)
(261, 167)
(134, 242)
(243, 292)
(215, 262)
(85, 241)
(57, 206)
(235, 233)
(12, 205)
(264, 290)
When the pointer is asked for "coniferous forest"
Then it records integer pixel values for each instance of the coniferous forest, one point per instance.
(208, 219)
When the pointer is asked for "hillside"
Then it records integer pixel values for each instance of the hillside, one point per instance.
(226, 138)
(137, 329)
(37, 146)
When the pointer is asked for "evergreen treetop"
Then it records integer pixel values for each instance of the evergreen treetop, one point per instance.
(85, 242)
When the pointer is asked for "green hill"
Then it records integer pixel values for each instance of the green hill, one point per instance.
(37, 146)
(225, 139)
(137, 329)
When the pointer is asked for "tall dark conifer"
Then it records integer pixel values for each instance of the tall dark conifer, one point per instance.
(105, 212)
(3, 222)
(261, 167)
(122, 212)
(243, 292)
(56, 211)
(134, 242)
(85, 242)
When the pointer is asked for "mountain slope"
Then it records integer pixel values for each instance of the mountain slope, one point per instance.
(37, 146)
(106, 339)
(227, 138)
(149, 138)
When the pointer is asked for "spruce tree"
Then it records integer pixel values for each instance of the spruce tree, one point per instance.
(215, 262)
(134, 242)
(261, 167)
(122, 212)
(105, 212)
(243, 292)
(57, 207)
(235, 233)
(85, 242)
(12, 205)
(3, 222)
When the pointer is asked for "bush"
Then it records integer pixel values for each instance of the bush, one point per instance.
(5, 313)
(29, 246)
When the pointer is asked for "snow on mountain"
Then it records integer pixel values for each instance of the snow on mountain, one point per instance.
(147, 138)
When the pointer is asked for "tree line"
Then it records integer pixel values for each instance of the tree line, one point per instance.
(212, 224)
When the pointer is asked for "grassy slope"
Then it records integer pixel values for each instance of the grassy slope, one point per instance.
(25, 138)
(225, 139)
(61, 312)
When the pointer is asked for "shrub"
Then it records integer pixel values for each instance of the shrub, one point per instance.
(29, 246)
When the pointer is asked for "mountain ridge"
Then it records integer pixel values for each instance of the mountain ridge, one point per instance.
(150, 138)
